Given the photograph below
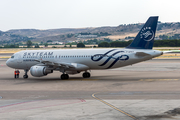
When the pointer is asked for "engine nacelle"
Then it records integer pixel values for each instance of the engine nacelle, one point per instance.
(39, 71)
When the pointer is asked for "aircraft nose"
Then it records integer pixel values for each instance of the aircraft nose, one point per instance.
(8, 63)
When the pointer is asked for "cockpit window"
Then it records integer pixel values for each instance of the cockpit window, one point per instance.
(12, 56)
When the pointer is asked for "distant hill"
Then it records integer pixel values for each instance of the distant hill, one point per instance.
(70, 34)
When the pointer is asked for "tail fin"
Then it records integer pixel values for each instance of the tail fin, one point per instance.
(145, 37)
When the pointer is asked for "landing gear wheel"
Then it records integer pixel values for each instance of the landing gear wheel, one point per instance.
(67, 76)
(86, 75)
(25, 76)
(64, 76)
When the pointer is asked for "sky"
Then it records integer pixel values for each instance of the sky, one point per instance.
(55, 14)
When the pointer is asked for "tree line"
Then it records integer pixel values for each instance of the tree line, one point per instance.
(108, 43)
(157, 43)
(115, 44)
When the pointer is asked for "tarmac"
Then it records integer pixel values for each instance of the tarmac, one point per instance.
(145, 91)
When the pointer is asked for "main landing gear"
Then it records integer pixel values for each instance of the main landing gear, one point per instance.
(25, 76)
(86, 75)
(64, 76)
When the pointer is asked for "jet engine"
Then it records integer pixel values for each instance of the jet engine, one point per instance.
(39, 71)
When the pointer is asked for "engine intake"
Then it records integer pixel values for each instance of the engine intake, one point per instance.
(39, 71)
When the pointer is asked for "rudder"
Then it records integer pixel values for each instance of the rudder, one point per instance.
(145, 37)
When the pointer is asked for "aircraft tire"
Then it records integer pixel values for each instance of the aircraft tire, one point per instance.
(67, 76)
(89, 75)
(25, 76)
(64, 76)
(86, 75)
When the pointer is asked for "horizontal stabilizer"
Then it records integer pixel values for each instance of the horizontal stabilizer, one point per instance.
(141, 54)
(167, 52)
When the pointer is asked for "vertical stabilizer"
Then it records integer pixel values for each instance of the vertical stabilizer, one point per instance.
(145, 37)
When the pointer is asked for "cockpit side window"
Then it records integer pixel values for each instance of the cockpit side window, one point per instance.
(12, 56)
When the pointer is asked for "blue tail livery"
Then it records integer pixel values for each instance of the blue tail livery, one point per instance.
(145, 37)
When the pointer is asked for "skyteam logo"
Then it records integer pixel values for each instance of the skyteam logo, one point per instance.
(147, 34)
(99, 57)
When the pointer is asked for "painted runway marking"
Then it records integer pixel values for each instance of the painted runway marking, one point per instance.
(2, 65)
(158, 79)
(36, 104)
(93, 95)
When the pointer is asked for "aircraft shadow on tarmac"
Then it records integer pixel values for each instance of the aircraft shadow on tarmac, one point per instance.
(76, 78)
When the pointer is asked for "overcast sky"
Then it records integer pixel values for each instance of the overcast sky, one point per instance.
(52, 14)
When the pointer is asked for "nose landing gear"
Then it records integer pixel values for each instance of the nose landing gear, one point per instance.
(25, 76)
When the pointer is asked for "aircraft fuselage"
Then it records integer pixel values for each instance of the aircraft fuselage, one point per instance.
(93, 58)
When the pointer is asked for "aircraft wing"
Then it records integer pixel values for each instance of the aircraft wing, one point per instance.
(58, 64)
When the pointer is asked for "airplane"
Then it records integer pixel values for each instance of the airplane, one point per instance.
(73, 61)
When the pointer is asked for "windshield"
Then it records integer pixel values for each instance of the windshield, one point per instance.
(12, 56)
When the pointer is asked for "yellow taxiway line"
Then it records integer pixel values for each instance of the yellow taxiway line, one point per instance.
(93, 95)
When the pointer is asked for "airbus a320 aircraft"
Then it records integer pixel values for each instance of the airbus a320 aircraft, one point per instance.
(74, 61)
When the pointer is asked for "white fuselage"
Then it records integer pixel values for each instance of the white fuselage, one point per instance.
(93, 58)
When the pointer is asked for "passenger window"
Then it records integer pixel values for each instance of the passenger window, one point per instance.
(12, 56)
